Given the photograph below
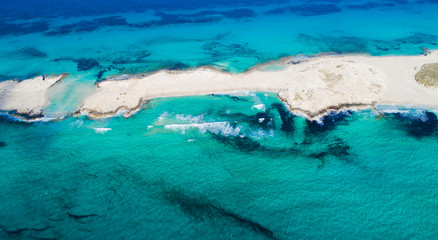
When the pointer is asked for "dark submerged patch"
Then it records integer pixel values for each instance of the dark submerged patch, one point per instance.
(138, 57)
(339, 148)
(88, 25)
(370, 6)
(201, 208)
(418, 126)
(21, 230)
(307, 9)
(177, 66)
(286, 116)
(198, 17)
(243, 143)
(85, 64)
(321, 157)
(347, 44)
(14, 116)
(3, 144)
(249, 145)
(30, 52)
(252, 120)
(79, 217)
(336, 147)
(23, 28)
(34, 9)
(328, 122)
(19, 77)
(165, 19)
(219, 50)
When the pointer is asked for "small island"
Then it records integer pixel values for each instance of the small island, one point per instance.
(310, 86)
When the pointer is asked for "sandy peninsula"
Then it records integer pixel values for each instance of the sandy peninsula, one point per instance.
(27, 98)
(311, 86)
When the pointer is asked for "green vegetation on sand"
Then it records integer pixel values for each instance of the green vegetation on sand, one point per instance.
(428, 75)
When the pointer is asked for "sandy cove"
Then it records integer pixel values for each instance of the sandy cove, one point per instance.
(27, 99)
(313, 86)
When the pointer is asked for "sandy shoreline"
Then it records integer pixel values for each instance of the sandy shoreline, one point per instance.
(312, 87)
(26, 99)
(308, 86)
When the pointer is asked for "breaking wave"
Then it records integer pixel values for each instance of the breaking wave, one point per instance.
(223, 128)
(102, 130)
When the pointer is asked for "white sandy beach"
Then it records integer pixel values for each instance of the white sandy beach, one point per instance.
(313, 86)
(27, 97)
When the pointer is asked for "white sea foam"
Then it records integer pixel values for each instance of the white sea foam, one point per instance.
(258, 103)
(240, 93)
(260, 133)
(162, 116)
(223, 128)
(260, 107)
(395, 111)
(419, 114)
(102, 130)
(190, 118)
(77, 123)
(45, 118)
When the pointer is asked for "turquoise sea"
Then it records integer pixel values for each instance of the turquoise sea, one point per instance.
(236, 166)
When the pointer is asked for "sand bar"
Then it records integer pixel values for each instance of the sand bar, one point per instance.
(27, 98)
(312, 86)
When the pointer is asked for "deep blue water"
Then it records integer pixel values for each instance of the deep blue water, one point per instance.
(105, 38)
(236, 166)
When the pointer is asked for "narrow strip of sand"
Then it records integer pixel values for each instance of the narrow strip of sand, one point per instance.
(312, 86)
(27, 98)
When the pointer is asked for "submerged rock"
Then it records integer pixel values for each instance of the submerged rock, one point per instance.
(259, 120)
(286, 116)
(338, 148)
(328, 121)
(85, 64)
(418, 125)
(200, 207)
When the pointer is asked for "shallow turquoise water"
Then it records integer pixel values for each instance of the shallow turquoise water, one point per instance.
(221, 167)
(236, 166)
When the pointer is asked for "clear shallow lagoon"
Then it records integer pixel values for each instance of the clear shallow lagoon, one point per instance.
(212, 167)
(221, 167)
